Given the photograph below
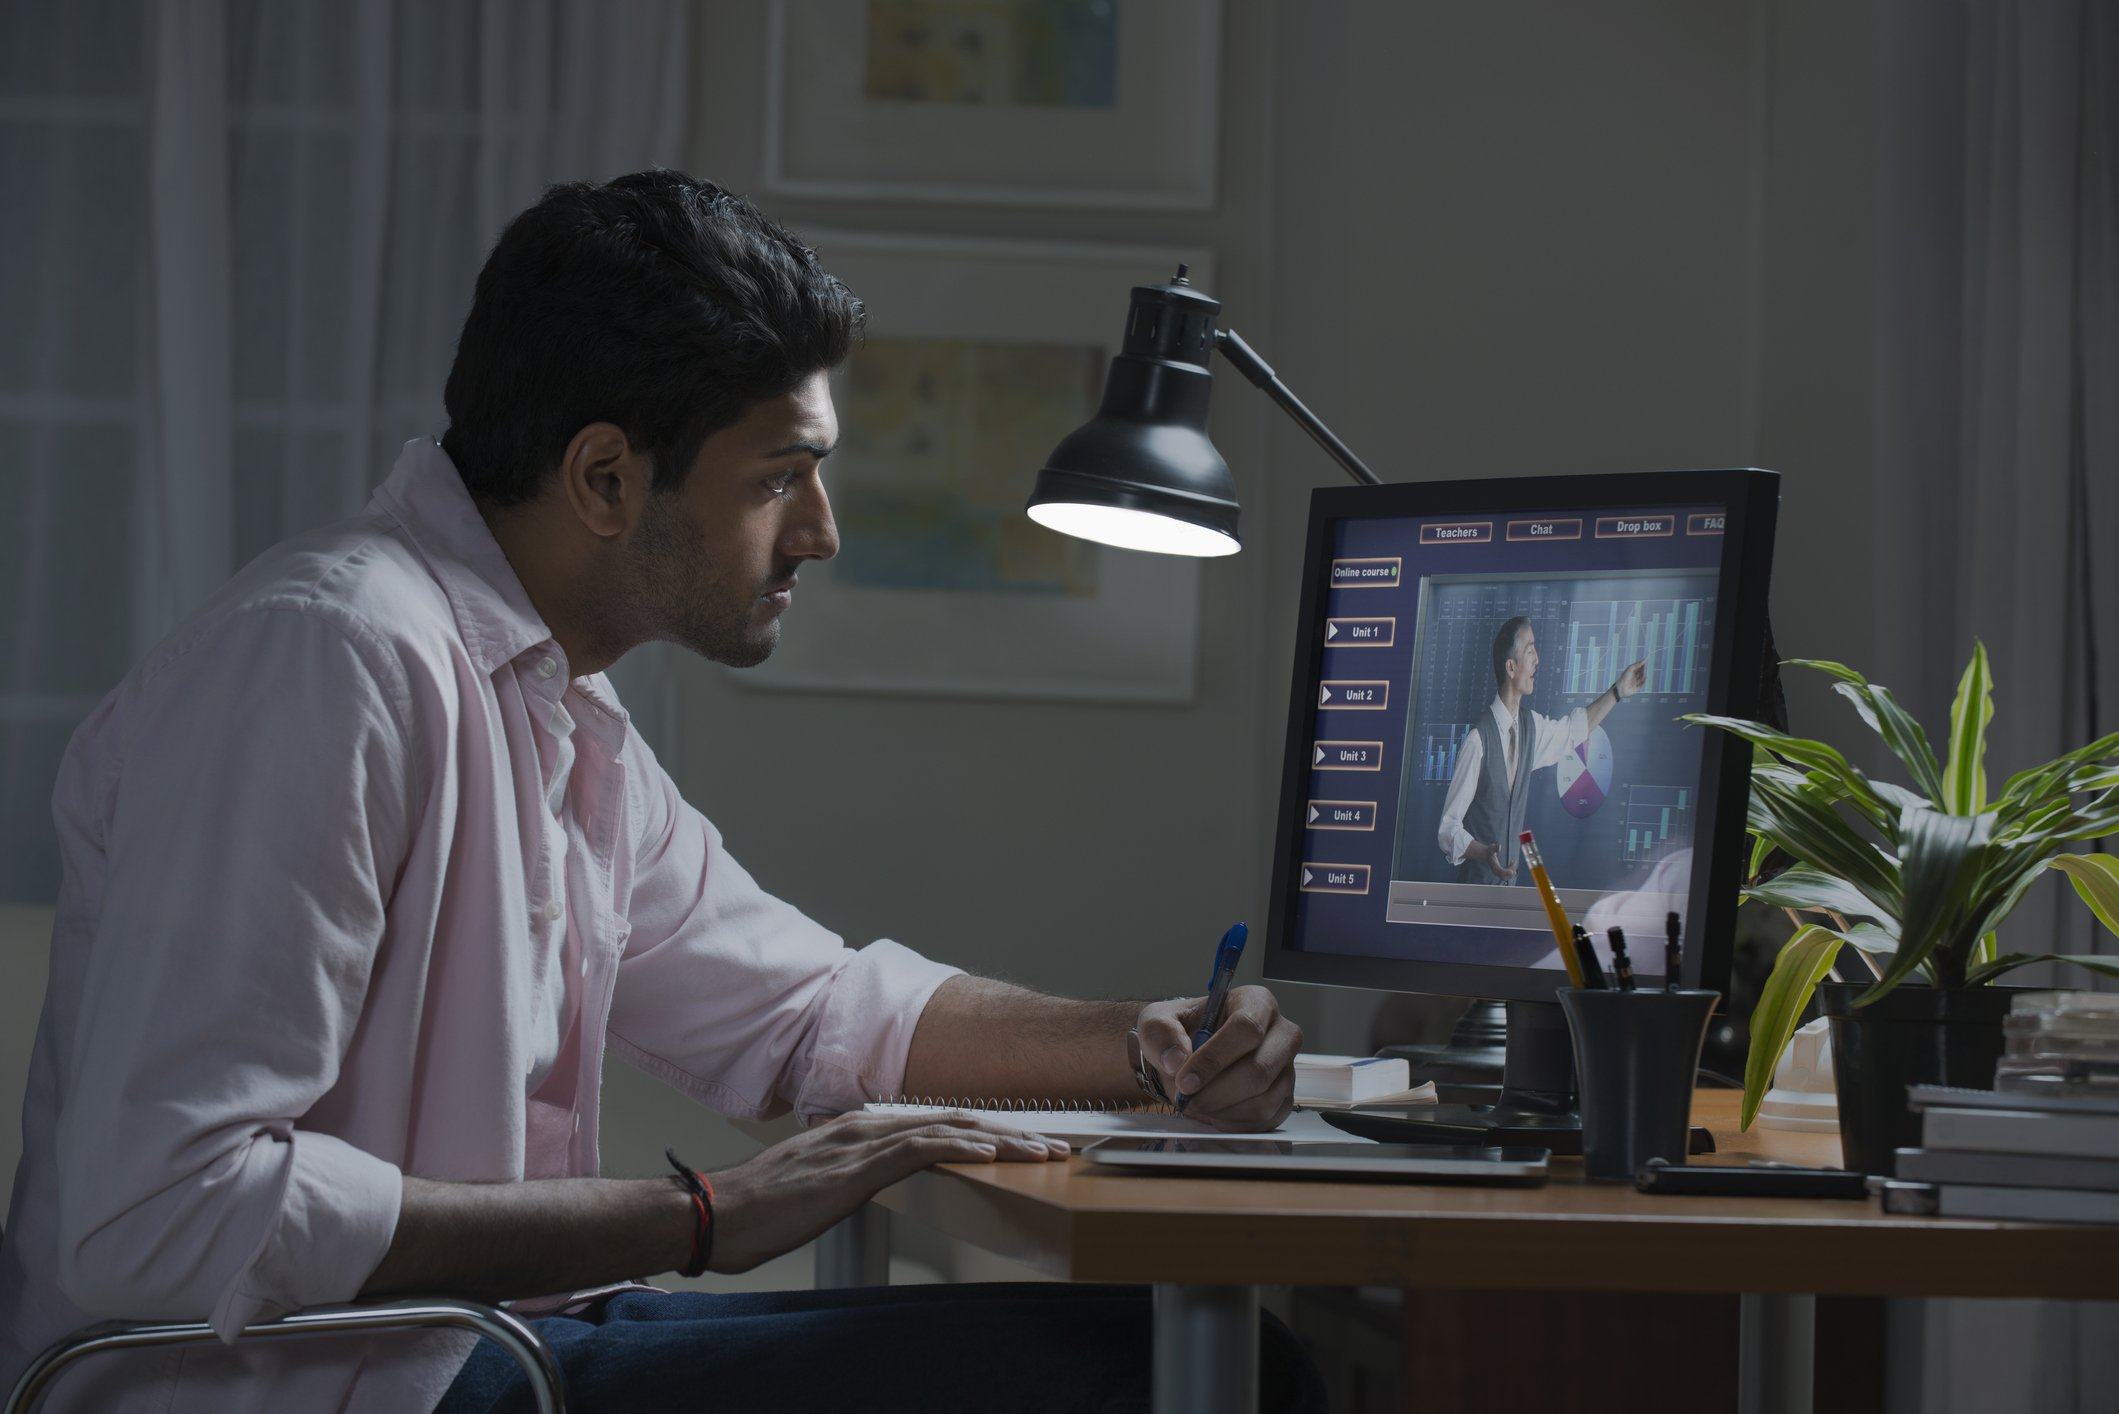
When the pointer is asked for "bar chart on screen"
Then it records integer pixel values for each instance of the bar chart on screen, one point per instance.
(1658, 821)
(1670, 635)
(1438, 750)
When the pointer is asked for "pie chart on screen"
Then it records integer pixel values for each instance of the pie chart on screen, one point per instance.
(1584, 775)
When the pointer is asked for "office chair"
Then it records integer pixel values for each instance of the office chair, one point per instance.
(506, 1329)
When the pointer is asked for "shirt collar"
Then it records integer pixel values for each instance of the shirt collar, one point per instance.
(426, 496)
(1501, 717)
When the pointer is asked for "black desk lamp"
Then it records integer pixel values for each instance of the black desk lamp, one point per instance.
(1141, 474)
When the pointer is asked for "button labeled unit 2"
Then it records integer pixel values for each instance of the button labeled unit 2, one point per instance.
(1358, 696)
(1335, 878)
(1340, 815)
(1360, 633)
(1367, 574)
(1347, 756)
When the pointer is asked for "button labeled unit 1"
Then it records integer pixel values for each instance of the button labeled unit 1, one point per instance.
(1347, 756)
(1358, 696)
(1360, 633)
(1335, 878)
(1367, 574)
(1340, 815)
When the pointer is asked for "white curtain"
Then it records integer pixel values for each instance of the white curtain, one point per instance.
(241, 237)
(1997, 497)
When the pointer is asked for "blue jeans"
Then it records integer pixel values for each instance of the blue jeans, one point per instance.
(1028, 1346)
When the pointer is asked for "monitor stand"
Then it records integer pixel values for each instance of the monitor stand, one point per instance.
(1536, 1107)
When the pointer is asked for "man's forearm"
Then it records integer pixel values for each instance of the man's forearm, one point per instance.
(501, 1241)
(979, 1038)
(1601, 708)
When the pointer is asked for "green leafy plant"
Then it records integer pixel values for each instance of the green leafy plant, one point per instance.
(1917, 879)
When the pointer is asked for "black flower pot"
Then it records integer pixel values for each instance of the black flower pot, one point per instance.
(1910, 1036)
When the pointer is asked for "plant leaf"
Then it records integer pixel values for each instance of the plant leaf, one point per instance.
(1943, 862)
(1900, 732)
(1760, 848)
(2096, 878)
(1964, 779)
(1807, 957)
(1815, 833)
(2102, 966)
(1804, 886)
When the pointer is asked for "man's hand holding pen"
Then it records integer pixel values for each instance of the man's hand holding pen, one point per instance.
(1243, 1078)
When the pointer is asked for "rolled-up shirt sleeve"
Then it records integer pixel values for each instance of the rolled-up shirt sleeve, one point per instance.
(251, 841)
(1559, 735)
(739, 1000)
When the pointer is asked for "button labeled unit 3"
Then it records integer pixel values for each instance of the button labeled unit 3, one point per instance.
(1340, 815)
(1347, 756)
(1358, 696)
(1335, 878)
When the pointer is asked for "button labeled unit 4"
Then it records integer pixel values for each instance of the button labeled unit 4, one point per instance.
(1360, 633)
(1367, 574)
(1340, 815)
(1335, 878)
(1354, 695)
(1347, 756)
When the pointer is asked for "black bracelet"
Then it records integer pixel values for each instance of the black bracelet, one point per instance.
(703, 1200)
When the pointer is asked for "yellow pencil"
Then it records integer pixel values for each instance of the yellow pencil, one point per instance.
(1554, 914)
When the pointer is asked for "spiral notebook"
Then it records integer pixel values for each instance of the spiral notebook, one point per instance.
(1085, 1121)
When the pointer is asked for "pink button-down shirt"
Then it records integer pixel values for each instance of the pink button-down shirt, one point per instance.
(307, 942)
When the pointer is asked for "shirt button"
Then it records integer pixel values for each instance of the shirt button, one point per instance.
(547, 666)
(555, 910)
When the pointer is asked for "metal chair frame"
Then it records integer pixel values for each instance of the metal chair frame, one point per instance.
(504, 1328)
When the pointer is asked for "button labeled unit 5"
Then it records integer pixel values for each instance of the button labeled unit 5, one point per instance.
(1335, 878)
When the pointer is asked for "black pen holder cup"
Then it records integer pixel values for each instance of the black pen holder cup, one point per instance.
(1636, 1056)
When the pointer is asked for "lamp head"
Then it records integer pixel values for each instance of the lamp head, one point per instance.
(1142, 474)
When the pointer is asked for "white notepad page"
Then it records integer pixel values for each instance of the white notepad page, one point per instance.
(1301, 1127)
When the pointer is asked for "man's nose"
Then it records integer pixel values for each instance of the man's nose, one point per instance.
(813, 535)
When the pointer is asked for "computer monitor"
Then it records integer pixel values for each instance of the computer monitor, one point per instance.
(1396, 864)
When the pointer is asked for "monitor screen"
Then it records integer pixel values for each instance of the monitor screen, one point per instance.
(1478, 659)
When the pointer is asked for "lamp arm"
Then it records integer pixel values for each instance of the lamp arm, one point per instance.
(1246, 361)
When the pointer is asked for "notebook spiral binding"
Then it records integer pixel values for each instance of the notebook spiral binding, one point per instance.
(986, 1102)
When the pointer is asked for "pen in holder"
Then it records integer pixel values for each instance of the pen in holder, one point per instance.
(1636, 1055)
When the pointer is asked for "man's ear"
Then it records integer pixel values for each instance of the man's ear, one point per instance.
(603, 480)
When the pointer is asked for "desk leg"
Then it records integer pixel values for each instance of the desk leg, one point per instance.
(856, 1250)
(1776, 1353)
(1206, 1349)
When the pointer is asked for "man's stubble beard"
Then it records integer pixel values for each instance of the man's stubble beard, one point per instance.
(679, 596)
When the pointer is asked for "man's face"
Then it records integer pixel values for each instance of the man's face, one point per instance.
(1523, 667)
(712, 565)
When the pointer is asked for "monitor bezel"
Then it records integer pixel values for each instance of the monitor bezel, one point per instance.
(1752, 498)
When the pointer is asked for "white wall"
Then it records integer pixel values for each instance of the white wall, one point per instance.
(1480, 240)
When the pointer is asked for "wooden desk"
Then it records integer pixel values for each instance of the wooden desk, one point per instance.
(1084, 1225)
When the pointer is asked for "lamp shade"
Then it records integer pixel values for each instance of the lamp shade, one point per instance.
(1142, 473)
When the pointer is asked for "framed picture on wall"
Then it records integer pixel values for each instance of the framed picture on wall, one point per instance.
(1060, 103)
(979, 357)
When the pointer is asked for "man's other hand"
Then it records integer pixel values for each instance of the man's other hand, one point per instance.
(1243, 1078)
(801, 1186)
(1490, 856)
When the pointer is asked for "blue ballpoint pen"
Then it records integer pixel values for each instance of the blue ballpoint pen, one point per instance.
(1226, 957)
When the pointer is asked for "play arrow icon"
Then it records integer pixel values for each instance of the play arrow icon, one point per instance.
(1331, 630)
(1305, 876)
(1324, 695)
(1318, 757)
(1313, 814)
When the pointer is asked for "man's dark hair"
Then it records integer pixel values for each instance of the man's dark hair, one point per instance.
(1505, 647)
(657, 302)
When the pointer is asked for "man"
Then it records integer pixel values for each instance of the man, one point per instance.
(364, 868)
(1489, 792)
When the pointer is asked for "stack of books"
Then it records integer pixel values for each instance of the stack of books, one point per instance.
(2061, 1043)
(2047, 1156)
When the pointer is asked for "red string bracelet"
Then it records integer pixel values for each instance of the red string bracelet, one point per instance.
(703, 1202)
